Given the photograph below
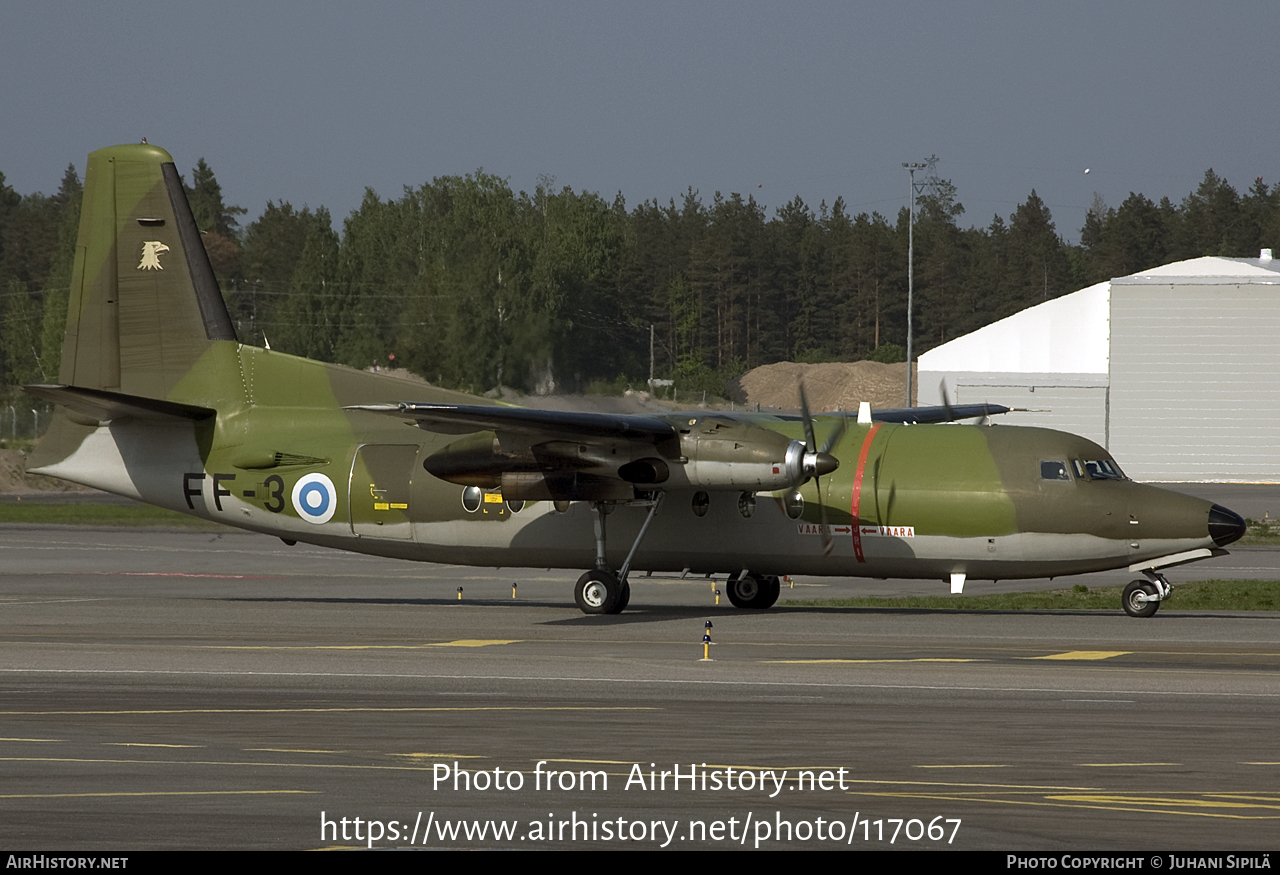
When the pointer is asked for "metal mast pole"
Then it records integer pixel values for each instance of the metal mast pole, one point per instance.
(912, 167)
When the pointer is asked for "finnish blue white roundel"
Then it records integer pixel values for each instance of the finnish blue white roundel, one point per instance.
(314, 498)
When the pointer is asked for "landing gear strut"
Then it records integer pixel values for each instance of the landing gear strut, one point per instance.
(600, 591)
(754, 591)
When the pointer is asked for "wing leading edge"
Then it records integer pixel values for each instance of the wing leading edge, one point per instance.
(469, 418)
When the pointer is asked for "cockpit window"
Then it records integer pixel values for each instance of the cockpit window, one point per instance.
(1097, 469)
(1054, 470)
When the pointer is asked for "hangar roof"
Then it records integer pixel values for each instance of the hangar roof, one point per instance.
(1067, 335)
(1071, 334)
(1210, 269)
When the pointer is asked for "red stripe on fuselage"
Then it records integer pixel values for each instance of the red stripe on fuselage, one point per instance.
(857, 491)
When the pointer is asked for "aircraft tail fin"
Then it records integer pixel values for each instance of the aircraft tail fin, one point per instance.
(144, 304)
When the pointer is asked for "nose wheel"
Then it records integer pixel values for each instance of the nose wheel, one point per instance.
(1142, 597)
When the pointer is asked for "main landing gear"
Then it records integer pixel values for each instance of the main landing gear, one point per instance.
(754, 591)
(1142, 597)
(600, 590)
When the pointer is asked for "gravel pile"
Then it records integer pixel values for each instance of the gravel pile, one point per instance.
(829, 386)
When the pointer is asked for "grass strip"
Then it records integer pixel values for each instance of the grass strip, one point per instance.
(99, 515)
(1200, 595)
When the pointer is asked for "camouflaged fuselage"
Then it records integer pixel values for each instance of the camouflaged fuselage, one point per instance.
(159, 402)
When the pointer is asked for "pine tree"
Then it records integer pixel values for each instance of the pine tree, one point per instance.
(216, 220)
(1212, 222)
(57, 286)
(1038, 265)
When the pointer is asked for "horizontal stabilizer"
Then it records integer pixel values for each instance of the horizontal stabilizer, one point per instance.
(945, 413)
(105, 406)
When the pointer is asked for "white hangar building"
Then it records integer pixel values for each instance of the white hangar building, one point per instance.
(1175, 370)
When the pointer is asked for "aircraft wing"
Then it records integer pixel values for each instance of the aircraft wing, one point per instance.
(554, 424)
(535, 454)
(604, 456)
(468, 418)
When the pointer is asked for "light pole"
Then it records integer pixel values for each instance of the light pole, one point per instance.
(912, 167)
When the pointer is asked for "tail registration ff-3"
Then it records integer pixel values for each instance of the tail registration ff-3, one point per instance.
(157, 400)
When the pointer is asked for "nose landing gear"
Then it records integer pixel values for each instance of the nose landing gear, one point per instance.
(1142, 597)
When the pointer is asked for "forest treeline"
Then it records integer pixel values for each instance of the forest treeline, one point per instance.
(474, 286)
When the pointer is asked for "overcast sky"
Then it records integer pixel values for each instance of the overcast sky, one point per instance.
(312, 102)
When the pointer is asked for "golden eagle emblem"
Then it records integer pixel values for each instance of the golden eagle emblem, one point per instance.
(151, 250)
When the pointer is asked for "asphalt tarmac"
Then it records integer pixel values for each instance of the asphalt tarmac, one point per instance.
(225, 691)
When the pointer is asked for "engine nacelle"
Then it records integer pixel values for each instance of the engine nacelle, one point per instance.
(713, 455)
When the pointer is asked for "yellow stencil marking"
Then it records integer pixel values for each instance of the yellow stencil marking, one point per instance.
(1156, 800)
(1122, 765)
(1085, 654)
(160, 793)
(36, 740)
(335, 710)
(463, 642)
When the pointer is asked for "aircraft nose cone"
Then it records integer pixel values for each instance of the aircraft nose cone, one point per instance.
(1225, 526)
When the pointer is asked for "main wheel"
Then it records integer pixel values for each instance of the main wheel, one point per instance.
(597, 592)
(1139, 599)
(753, 591)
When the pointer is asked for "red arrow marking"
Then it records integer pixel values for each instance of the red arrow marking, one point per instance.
(857, 490)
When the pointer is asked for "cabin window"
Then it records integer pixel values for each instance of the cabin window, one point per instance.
(471, 498)
(1054, 470)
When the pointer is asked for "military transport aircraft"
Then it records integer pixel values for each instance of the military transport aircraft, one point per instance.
(158, 401)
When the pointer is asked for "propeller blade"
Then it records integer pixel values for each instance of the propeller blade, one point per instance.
(834, 437)
(810, 443)
(826, 529)
(946, 399)
(820, 460)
